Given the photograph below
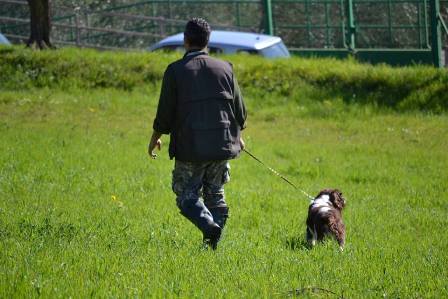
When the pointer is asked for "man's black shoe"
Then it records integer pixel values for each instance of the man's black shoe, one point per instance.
(212, 237)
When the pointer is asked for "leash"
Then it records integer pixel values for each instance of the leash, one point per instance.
(278, 174)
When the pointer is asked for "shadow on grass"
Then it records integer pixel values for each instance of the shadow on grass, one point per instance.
(297, 243)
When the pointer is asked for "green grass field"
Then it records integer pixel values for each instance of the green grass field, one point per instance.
(84, 212)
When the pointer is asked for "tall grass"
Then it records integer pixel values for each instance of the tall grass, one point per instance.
(292, 80)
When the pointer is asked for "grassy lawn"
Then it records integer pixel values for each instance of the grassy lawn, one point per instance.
(84, 211)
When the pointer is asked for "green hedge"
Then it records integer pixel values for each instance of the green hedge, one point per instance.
(408, 88)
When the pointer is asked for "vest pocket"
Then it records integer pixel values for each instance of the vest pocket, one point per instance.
(211, 140)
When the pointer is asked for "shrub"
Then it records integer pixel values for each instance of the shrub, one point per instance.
(406, 88)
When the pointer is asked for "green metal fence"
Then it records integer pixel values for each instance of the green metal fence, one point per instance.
(393, 31)
(325, 24)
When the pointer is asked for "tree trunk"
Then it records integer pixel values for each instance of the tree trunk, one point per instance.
(40, 24)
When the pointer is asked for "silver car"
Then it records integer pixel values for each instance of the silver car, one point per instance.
(231, 42)
(4, 40)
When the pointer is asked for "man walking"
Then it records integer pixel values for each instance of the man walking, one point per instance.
(201, 107)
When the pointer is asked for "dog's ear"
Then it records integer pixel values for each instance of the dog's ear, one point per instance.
(337, 199)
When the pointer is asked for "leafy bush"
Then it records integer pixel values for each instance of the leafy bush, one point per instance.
(295, 79)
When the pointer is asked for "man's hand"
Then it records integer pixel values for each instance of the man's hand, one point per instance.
(153, 143)
(242, 144)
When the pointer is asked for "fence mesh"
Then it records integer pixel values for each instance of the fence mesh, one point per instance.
(396, 24)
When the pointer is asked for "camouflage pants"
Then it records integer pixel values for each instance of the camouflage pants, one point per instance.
(193, 180)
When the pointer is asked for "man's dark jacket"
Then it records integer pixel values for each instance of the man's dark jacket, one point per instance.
(201, 107)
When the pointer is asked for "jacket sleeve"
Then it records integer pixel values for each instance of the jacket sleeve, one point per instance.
(166, 109)
(240, 108)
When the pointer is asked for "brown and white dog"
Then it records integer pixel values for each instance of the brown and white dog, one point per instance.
(325, 217)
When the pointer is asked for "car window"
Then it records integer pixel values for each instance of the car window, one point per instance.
(247, 51)
(172, 48)
(276, 50)
(214, 50)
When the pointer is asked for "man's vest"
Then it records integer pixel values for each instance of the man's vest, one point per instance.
(206, 128)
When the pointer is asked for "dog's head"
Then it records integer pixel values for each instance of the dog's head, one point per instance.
(336, 197)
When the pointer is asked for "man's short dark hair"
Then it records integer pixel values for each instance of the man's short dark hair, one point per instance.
(197, 32)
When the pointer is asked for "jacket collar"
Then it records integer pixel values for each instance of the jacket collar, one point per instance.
(194, 53)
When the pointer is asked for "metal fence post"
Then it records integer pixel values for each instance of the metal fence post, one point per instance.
(162, 26)
(419, 24)
(237, 13)
(389, 22)
(308, 22)
(77, 30)
(327, 25)
(342, 12)
(425, 5)
(436, 33)
(350, 25)
(269, 26)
